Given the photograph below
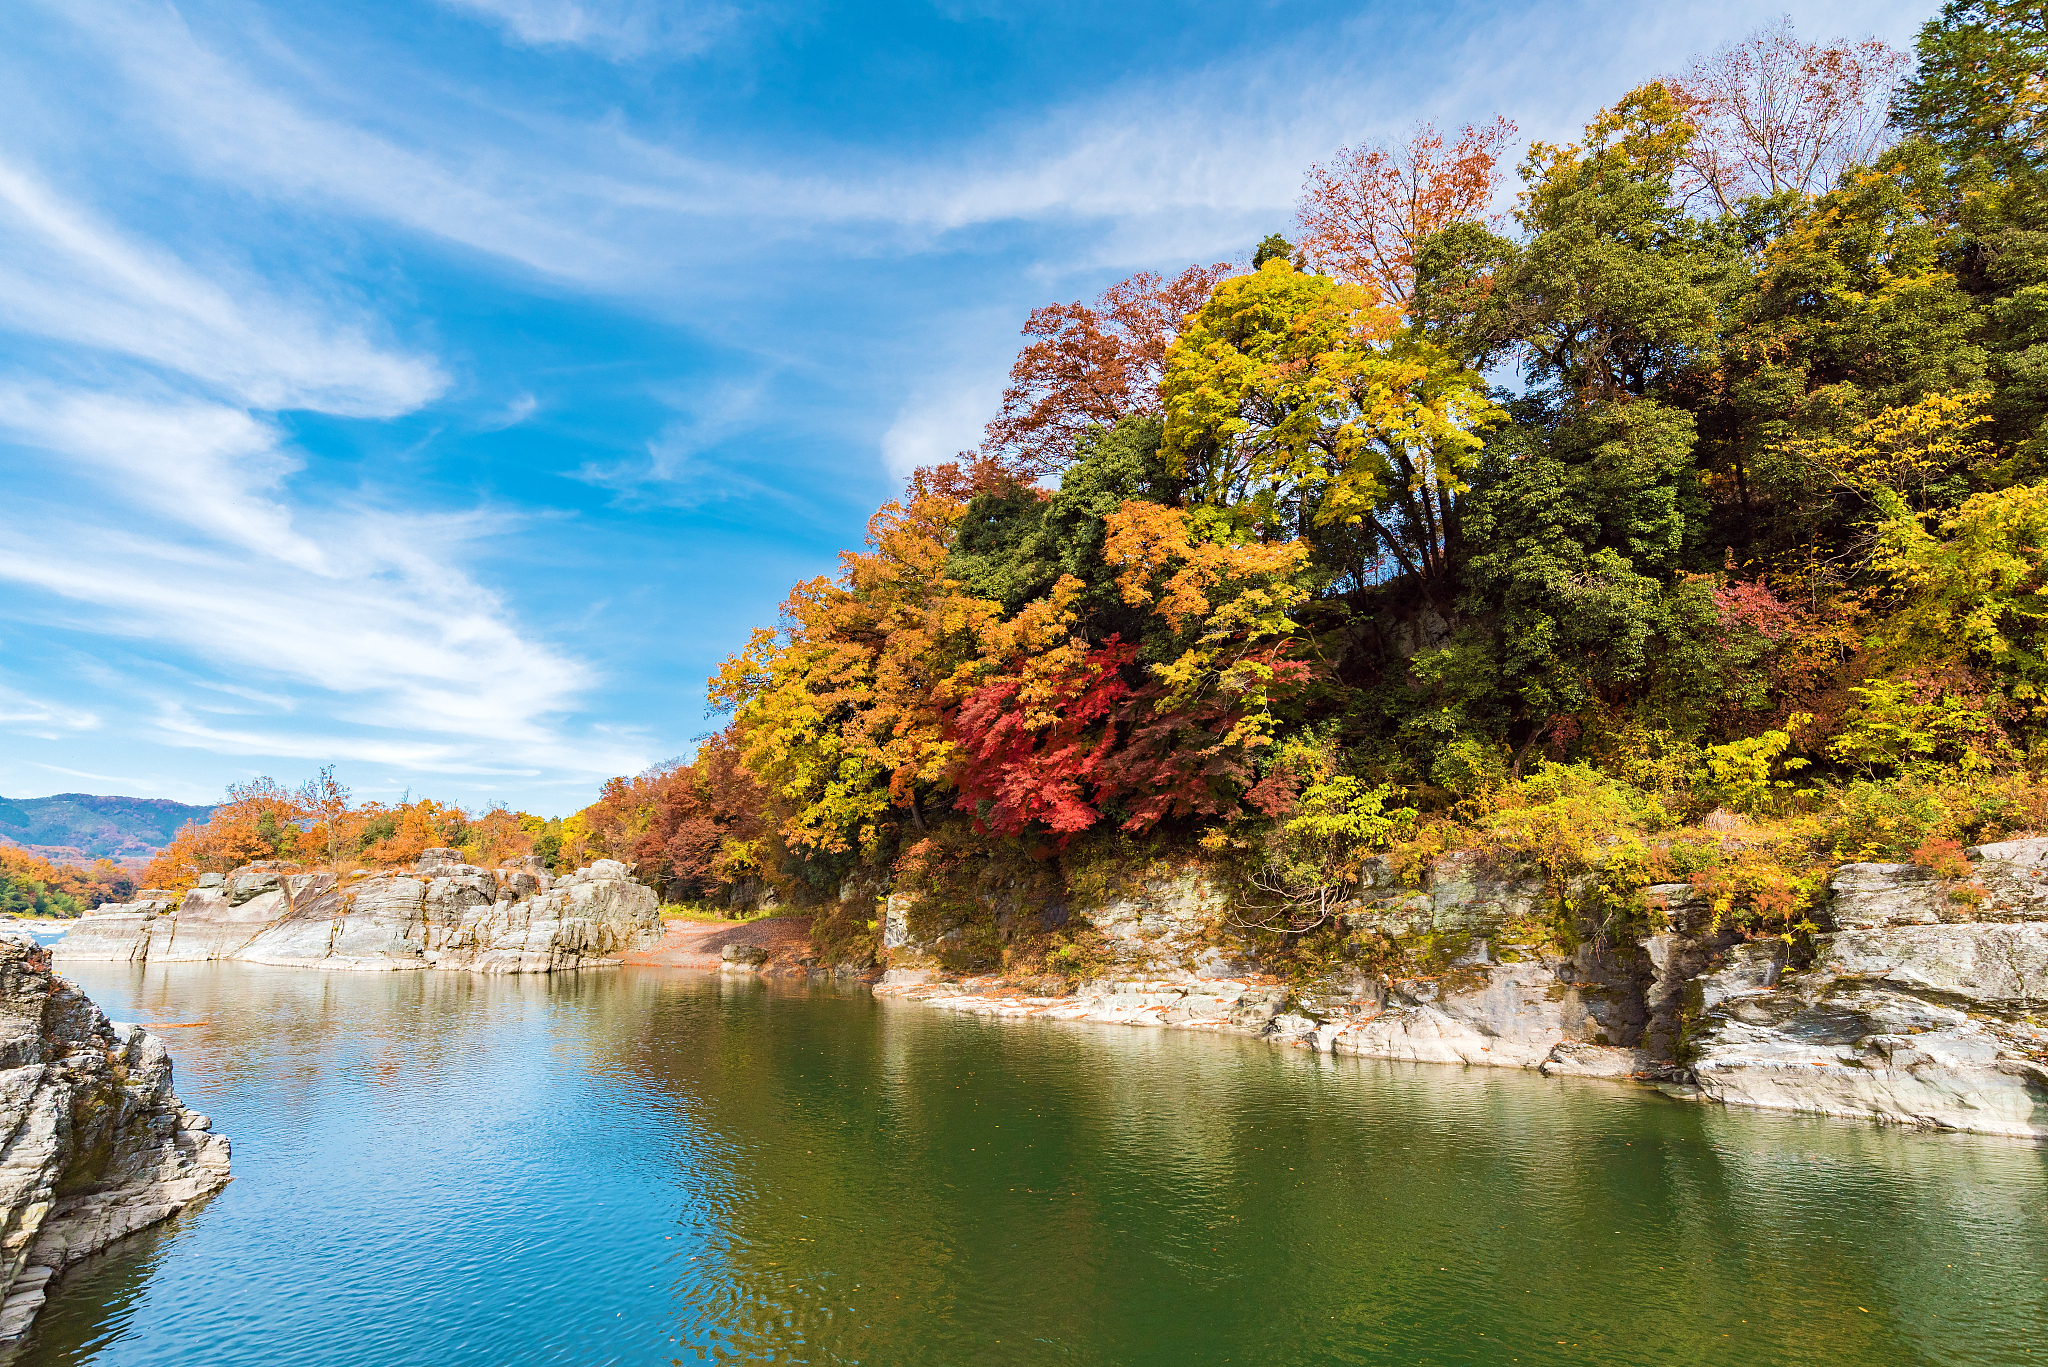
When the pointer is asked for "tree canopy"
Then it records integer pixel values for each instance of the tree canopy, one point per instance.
(1706, 472)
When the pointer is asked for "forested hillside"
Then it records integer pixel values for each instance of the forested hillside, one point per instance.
(102, 827)
(1679, 516)
(1702, 485)
(32, 886)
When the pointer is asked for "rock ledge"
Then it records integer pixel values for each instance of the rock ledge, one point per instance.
(444, 914)
(96, 1145)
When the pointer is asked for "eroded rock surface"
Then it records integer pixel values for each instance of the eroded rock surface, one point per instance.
(444, 914)
(1921, 1007)
(96, 1144)
(1919, 1004)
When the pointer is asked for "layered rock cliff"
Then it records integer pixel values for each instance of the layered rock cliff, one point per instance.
(444, 914)
(1921, 1005)
(1915, 1003)
(96, 1145)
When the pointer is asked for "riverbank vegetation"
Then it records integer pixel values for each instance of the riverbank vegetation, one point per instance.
(33, 886)
(320, 824)
(1684, 520)
(1678, 517)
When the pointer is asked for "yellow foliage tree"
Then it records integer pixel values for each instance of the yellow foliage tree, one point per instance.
(1906, 451)
(1291, 400)
(842, 713)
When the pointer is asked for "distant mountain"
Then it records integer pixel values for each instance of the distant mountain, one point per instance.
(115, 827)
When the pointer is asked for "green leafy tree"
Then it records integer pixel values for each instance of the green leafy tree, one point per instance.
(1979, 89)
(1610, 297)
(1272, 247)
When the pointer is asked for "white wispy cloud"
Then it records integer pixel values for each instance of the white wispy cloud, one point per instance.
(389, 635)
(19, 712)
(939, 419)
(232, 125)
(153, 417)
(66, 275)
(512, 414)
(207, 465)
(1174, 164)
(615, 28)
(682, 465)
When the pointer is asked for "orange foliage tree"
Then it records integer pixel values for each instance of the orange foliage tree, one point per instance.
(1364, 212)
(261, 819)
(33, 886)
(694, 830)
(842, 714)
(1091, 365)
(317, 823)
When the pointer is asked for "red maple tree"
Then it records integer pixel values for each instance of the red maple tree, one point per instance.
(1040, 762)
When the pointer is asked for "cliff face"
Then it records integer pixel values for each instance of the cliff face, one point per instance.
(1918, 1004)
(445, 914)
(96, 1145)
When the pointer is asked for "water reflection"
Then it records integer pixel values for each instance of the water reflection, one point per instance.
(653, 1167)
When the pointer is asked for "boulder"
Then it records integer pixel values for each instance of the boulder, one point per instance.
(253, 880)
(98, 1146)
(1866, 896)
(1574, 1059)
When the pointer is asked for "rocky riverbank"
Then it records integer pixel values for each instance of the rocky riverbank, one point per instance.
(1920, 1001)
(96, 1144)
(443, 914)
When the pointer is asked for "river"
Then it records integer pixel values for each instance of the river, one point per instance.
(652, 1167)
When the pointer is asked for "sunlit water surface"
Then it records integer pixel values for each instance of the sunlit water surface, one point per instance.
(653, 1167)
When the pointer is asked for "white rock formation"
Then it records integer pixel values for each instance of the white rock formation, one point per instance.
(444, 914)
(1920, 1009)
(95, 1145)
(1918, 1006)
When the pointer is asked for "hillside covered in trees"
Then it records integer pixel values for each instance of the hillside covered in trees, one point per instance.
(1679, 517)
(84, 825)
(1701, 491)
(33, 886)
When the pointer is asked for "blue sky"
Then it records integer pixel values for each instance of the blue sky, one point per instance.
(439, 390)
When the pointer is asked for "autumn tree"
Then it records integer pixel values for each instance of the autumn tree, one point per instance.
(1035, 736)
(1315, 851)
(842, 714)
(1227, 659)
(694, 830)
(1091, 365)
(1773, 114)
(260, 819)
(33, 886)
(1293, 402)
(1365, 212)
(324, 799)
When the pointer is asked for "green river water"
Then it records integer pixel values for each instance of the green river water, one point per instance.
(656, 1167)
